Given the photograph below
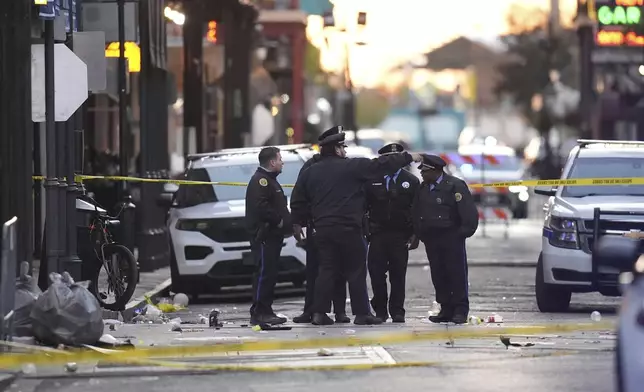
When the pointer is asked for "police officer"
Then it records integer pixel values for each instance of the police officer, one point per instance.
(391, 236)
(312, 266)
(268, 221)
(444, 216)
(334, 190)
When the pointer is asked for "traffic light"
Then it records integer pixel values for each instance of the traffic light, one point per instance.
(211, 34)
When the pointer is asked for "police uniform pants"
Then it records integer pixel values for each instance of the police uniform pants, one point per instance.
(388, 253)
(267, 258)
(448, 265)
(312, 268)
(341, 250)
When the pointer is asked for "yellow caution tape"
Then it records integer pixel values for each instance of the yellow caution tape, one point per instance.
(80, 356)
(505, 184)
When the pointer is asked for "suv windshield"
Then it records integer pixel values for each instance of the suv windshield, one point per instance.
(605, 168)
(191, 195)
(243, 173)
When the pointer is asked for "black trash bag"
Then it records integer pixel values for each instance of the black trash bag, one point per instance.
(27, 292)
(67, 313)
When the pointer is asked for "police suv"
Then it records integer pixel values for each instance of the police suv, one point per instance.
(209, 241)
(576, 215)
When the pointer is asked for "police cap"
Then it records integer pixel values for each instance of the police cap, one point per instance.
(334, 135)
(432, 162)
(391, 148)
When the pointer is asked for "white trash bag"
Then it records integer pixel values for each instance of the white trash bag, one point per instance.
(67, 313)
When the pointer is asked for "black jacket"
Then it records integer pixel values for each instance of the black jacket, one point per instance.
(266, 205)
(390, 208)
(331, 191)
(447, 208)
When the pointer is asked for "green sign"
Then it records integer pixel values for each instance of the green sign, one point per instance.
(616, 16)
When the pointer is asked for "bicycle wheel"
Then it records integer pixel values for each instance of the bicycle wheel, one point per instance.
(121, 272)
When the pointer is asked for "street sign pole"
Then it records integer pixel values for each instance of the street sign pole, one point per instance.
(52, 243)
(70, 262)
(125, 205)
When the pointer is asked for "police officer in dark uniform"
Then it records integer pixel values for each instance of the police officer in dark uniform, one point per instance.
(313, 265)
(333, 191)
(268, 221)
(391, 236)
(444, 216)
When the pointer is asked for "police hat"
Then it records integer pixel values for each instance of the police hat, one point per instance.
(432, 162)
(391, 148)
(334, 135)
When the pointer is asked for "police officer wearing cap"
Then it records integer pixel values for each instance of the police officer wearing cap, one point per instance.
(444, 216)
(391, 236)
(334, 190)
(268, 222)
(313, 264)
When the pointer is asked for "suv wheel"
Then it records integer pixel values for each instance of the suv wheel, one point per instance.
(550, 298)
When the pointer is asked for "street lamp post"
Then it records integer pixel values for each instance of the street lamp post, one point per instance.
(349, 112)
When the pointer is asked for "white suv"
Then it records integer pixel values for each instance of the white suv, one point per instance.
(576, 214)
(209, 240)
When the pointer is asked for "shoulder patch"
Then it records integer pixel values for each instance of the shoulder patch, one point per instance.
(263, 182)
(405, 184)
(458, 196)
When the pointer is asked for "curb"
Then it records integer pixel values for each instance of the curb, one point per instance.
(485, 263)
(160, 290)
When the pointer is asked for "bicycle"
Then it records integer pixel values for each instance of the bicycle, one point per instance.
(117, 260)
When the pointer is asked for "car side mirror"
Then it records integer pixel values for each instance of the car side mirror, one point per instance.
(545, 191)
(164, 200)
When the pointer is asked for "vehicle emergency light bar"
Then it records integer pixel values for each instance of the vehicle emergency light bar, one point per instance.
(585, 143)
(245, 150)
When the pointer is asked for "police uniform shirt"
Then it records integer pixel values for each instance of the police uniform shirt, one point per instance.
(266, 202)
(333, 189)
(445, 205)
(389, 202)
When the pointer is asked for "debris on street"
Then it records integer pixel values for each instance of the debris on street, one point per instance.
(323, 352)
(596, 316)
(507, 343)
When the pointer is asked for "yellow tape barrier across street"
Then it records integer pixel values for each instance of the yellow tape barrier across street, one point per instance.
(144, 354)
(505, 184)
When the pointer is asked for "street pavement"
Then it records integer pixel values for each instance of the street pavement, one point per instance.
(575, 361)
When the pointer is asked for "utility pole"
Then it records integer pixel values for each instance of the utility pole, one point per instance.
(584, 22)
(16, 139)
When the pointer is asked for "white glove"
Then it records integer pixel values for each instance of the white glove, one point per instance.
(416, 157)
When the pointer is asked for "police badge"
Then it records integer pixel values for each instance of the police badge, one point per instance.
(458, 197)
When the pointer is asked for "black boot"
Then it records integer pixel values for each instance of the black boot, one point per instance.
(367, 319)
(270, 319)
(303, 318)
(342, 318)
(459, 318)
(398, 318)
(382, 316)
(444, 316)
(321, 319)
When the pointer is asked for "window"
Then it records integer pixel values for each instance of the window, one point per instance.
(243, 173)
(192, 195)
(605, 168)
